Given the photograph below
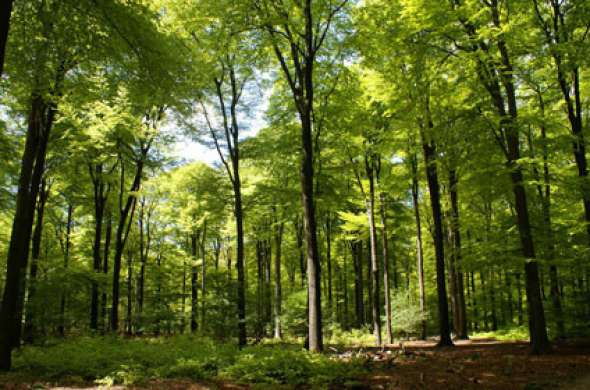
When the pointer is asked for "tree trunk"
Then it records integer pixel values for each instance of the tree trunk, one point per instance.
(278, 291)
(509, 122)
(459, 311)
(267, 285)
(105, 269)
(357, 257)
(370, 203)
(369, 305)
(125, 219)
(61, 330)
(129, 318)
(430, 158)
(203, 278)
(32, 165)
(557, 34)
(194, 283)
(4, 27)
(299, 236)
(385, 268)
(99, 205)
(419, 253)
(183, 300)
(29, 330)
(492, 289)
(259, 289)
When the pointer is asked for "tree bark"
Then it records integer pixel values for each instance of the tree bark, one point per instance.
(125, 219)
(203, 277)
(66, 252)
(32, 166)
(556, 34)
(357, 257)
(370, 204)
(194, 282)
(105, 269)
(278, 288)
(460, 312)
(129, 318)
(430, 158)
(96, 173)
(385, 240)
(537, 327)
(29, 330)
(419, 252)
(4, 28)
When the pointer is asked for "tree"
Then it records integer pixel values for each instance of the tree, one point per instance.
(5, 26)
(296, 43)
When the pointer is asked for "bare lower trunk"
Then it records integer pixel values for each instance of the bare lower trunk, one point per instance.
(6, 11)
(32, 166)
(459, 311)
(278, 289)
(384, 238)
(419, 253)
(29, 329)
(433, 185)
(66, 252)
(370, 203)
(357, 258)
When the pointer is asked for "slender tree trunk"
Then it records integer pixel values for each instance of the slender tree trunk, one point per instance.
(544, 192)
(475, 310)
(492, 293)
(159, 291)
(369, 306)
(203, 278)
(508, 282)
(194, 283)
(61, 330)
(299, 236)
(419, 253)
(357, 257)
(278, 290)
(129, 318)
(557, 34)
(370, 203)
(430, 158)
(460, 311)
(125, 219)
(329, 257)
(259, 289)
(96, 173)
(6, 11)
(509, 122)
(32, 167)
(310, 231)
(267, 285)
(385, 268)
(105, 270)
(29, 330)
(183, 300)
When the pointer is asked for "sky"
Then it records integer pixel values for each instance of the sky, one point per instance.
(191, 150)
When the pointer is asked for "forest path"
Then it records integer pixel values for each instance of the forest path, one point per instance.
(482, 364)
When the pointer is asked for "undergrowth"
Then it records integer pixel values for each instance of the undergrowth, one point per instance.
(114, 360)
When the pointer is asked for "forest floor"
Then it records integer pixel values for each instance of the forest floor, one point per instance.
(472, 364)
(485, 364)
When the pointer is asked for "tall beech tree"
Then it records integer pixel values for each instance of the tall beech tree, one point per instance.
(296, 42)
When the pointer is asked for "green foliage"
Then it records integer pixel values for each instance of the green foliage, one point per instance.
(283, 365)
(113, 360)
(520, 333)
(405, 315)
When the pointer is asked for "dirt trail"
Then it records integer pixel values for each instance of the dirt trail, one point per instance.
(484, 364)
